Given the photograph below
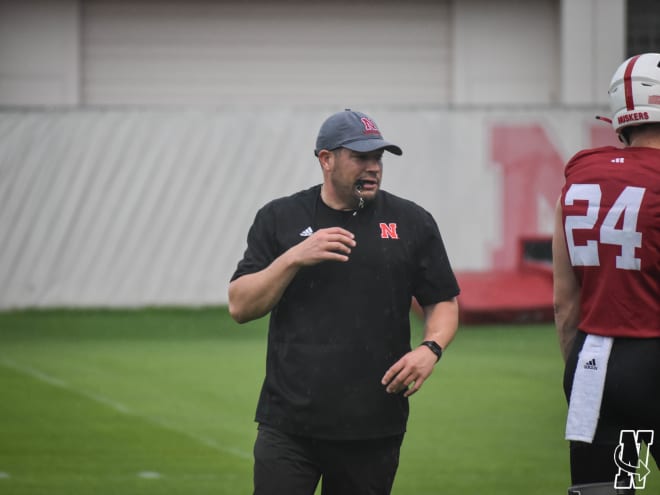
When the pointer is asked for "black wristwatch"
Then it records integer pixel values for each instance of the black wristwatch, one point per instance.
(435, 348)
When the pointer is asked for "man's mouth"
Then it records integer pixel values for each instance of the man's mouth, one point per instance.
(366, 184)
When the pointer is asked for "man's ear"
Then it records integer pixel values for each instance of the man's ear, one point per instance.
(325, 159)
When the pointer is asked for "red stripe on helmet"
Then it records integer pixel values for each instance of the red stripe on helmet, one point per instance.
(627, 83)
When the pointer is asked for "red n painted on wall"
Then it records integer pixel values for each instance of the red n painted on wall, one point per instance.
(532, 174)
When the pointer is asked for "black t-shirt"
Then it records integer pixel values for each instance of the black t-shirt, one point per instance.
(339, 326)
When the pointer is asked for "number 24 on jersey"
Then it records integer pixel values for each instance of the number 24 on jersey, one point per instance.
(626, 236)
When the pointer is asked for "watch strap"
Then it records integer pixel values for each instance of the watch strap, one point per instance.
(435, 348)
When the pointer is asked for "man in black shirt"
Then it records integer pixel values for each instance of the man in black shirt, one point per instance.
(337, 266)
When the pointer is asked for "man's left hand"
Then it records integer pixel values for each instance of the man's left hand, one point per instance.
(410, 371)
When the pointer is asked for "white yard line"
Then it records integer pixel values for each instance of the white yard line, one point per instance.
(149, 475)
(119, 407)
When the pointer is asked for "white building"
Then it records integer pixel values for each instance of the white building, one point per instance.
(138, 138)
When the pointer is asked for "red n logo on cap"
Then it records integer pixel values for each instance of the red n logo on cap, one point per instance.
(369, 126)
(388, 231)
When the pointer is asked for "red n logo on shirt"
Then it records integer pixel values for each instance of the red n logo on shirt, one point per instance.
(388, 231)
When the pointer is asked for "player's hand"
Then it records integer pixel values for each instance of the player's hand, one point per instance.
(331, 244)
(409, 372)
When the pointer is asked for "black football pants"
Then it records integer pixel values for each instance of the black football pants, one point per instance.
(293, 465)
(631, 400)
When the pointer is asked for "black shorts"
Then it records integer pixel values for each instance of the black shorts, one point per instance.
(631, 401)
(293, 465)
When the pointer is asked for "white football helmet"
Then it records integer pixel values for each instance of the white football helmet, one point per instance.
(635, 92)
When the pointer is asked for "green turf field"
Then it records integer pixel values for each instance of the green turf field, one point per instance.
(161, 402)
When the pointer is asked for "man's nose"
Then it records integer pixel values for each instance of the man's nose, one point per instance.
(374, 164)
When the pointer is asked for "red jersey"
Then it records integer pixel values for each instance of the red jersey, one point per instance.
(611, 217)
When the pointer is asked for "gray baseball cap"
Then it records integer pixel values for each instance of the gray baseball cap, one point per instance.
(353, 130)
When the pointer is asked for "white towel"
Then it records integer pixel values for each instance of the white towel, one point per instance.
(588, 385)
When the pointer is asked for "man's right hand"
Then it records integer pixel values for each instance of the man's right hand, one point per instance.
(253, 295)
(331, 244)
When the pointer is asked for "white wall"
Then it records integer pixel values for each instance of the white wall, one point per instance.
(39, 52)
(506, 52)
(592, 47)
(126, 203)
(467, 52)
(536, 52)
(201, 52)
(140, 207)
